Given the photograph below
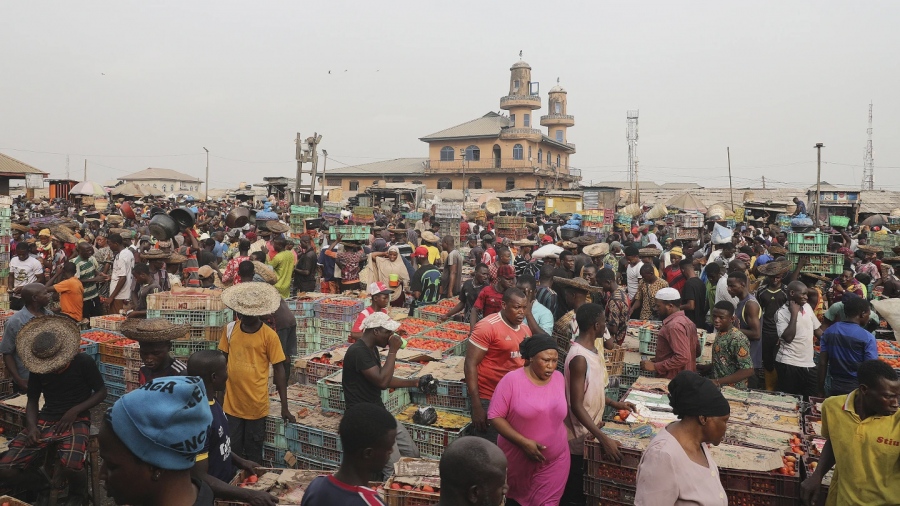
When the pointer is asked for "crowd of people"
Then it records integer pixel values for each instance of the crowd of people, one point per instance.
(541, 311)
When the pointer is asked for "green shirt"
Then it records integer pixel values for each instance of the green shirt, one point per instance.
(283, 265)
(731, 353)
(87, 269)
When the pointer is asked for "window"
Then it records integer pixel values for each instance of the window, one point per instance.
(510, 183)
(354, 186)
(447, 154)
(398, 180)
(529, 153)
(333, 181)
(445, 183)
(416, 182)
(557, 160)
(374, 181)
(559, 136)
(517, 152)
(474, 183)
(527, 120)
(512, 120)
(557, 108)
(540, 156)
(549, 157)
(516, 85)
(473, 154)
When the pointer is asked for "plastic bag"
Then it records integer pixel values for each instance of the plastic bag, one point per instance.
(801, 221)
(425, 416)
(721, 235)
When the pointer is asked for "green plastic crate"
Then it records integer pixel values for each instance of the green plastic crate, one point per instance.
(824, 263)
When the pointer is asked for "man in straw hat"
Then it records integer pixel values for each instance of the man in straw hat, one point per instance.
(155, 336)
(430, 242)
(677, 345)
(35, 298)
(252, 347)
(364, 376)
(575, 291)
(71, 385)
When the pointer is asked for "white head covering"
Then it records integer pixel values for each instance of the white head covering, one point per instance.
(380, 320)
(668, 294)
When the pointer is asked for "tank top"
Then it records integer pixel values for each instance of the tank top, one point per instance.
(595, 381)
(755, 346)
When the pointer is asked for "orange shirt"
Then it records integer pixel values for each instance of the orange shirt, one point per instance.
(71, 297)
(501, 342)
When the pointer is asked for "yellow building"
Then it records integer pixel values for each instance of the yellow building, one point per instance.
(495, 151)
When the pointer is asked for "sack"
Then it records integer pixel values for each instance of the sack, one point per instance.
(721, 235)
(889, 309)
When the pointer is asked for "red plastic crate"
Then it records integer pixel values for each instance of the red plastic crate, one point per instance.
(609, 492)
(602, 467)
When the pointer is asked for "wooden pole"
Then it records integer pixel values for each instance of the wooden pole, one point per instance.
(730, 188)
(85, 169)
(818, 147)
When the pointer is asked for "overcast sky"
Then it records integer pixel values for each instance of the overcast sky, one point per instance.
(130, 85)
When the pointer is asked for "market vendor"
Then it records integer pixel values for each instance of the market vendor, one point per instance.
(155, 336)
(381, 296)
(677, 345)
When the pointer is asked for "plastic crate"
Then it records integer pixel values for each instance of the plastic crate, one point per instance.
(315, 452)
(212, 334)
(90, 347)
(344, 312)
(112, 359)
(107, 322)
(402, 497)
(132, 352)
(132, 375)
(647, 340)
(824, 263)
(194, 318)
(334, 325)
(441, 401)
(113, 349)
(313, 436)
(207, 301)
(331, 395)
(113, 380)
(838, 221)
(624, 472)
(445, 334)
(761, 484)
(817, 238)
(116, 371)
(608, 492)
(115, 390)
(184, 348)
(431, 441)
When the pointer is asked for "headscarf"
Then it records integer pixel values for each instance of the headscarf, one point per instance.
(693, 395)
(386, 268)
(536, 344)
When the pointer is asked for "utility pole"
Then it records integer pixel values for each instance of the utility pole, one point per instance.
(312, 144)
(311, 156)
(764, 182)
(67, 167)
(206, 189)
(730, 188)
(631, 135)
(818, 147)
(299, 156)
(324, 166)
(85, 169)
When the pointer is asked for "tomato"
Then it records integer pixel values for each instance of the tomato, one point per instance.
(623, 413)
(395, 486)
(427, 488)
(252, 478)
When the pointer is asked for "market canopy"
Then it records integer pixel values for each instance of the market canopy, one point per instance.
(153, 192)
(127, 190)
(876, 220)
(88, 188)
(686, 202)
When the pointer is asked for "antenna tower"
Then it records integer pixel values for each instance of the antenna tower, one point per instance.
(631, 134)
(868, 181)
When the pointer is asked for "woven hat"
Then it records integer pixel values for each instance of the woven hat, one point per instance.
(115, 219)
(277, 227)
(176, 258)
(867, 248)
(156, 254)
(891, 260)
(153, 330)
(816, 276)
(120, 231)
(205, 272)
(584, 240)
(252, 298)
(649, 252)
(430, 237)
(597, 250)
(397, 230)
(524, 242)
(48, 343)
(20, 228)
(265, 272)
(774, 268)
(777, 250)
(65, 235)
(568, 245)
(577, 284)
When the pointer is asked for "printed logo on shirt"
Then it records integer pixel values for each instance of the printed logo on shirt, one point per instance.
(515, 354)
(888, 441)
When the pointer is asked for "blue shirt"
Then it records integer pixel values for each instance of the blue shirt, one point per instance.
(847, 345)
(543, 317)
(218, 445)
(327, 264)
(220, 249)
(764, 259)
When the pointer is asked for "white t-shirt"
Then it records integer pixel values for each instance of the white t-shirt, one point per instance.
(25, 272)
(633, 277)
(799, 352)
(722, 291)
(122, 266)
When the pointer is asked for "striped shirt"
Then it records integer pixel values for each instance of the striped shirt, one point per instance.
(87, 269)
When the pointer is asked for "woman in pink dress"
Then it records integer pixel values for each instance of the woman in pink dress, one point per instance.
(528, 409)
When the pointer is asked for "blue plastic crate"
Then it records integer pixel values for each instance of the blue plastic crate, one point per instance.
(114, 391)
(90, 347)
(116, 371)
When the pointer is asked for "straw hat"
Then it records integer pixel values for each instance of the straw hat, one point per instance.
(429, 236)
(265, 272)
(596, 250)
(775, 268)
(176, 258)
(524, 242)
(119, 231)
(891, 260)
(153, 330)
(65, 235)
(277, 226)
(115, 219)
(493, 206)
(155, 254)
(252, 298)
(777, 250)
(568, 245)
(48, 343)
(397, 230)
(584, 240)
(816, 276)
(20, 228)
(649, 252)
(577, 284)
(870, 249)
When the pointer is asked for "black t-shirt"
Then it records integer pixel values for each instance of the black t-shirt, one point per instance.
(695, 290)
(357, 389)
(218, 445)
(307, 262)
(468, 296)
(67, 389)
(770, 301)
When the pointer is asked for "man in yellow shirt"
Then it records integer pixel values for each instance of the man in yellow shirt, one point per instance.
(251, 347)
(863, 433)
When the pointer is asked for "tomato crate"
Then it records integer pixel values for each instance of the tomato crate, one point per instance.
(315, 452)
(90, 347)
(115, 371)
(743, 498)
(107, 322)
(431, 344)
(113, 349)
(614, 356)
(339, 309)
(647, 339)
(272, 457)
(400, 497)
(182, 348)
(615, 369)
(761, 483)
(807, 238)
(133, 364)
(432, 441)
(313, 436)
(111, 359)
(608, 492)
(332, 325)
(194, 318)
(6, 387)
(184, 301)
(331, 394)
(115, 391)
(12, 419)
(441, 401)
(113, 381)
(445, 334)
(629, 464)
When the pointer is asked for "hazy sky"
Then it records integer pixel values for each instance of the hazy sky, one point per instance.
(130, 85)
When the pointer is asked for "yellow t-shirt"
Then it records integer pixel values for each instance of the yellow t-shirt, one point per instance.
(866, 452)
(249, 357)
(433, 254)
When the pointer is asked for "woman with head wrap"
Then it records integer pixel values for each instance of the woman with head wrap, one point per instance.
(676, 467)
(527, 409)
(388, 264)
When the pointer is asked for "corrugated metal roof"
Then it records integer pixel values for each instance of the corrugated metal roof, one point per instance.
(624, 185)
(9, 166)
(485, 126)
(878, 201)
(398, 166)
(710, 196)
(163, 174)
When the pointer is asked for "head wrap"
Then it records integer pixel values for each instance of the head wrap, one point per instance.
(676, 251)
(250, 236)
(743, 257)
(693, 395)
(536, 344)
(615, 244)
(394, 249)
(44, 232)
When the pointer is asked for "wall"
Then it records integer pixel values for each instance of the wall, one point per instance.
(158, 184)
(506, 152)
(495, 181)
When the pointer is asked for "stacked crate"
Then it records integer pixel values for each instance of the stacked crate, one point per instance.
(607, 481)
(511, 227)
(431, 440)
(204, 312)
(887, 242)
(449, 216)
(334, 317)
(299, 215)
(314, 439)
(814, 246)
(5, 242)
(113, 361)
(687, 226)
(364, 214)
(303, 308)
(301, 399)
(350, 232)
(594, 223)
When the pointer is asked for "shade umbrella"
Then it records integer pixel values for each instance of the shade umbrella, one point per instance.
(127, 190)
(876, 220)
(88, 188)
(686, 202)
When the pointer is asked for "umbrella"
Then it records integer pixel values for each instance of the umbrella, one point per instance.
(89, 188)
(876, 220)
(686, 202)
(127, 190)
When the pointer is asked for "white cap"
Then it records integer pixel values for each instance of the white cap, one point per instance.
(668, 294)
(380, 320)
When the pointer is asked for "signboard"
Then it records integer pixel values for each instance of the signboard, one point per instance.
(34, 181)
(840, 197)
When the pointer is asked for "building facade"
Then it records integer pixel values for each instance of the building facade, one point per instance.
(495, 151)
(165, 180)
